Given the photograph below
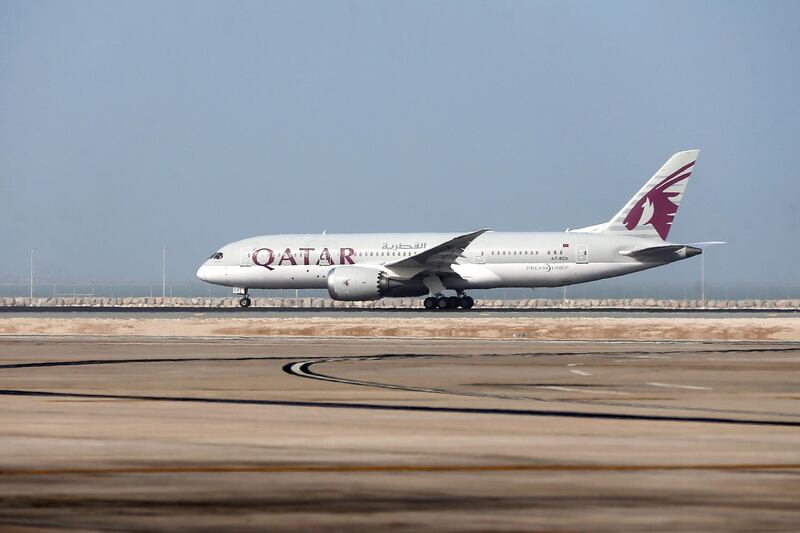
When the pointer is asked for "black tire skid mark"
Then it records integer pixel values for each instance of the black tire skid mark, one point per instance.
(370, 406)
(409, 408)
(306, 372)
(88, 362)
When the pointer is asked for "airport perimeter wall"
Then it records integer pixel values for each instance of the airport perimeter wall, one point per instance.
(79, 302)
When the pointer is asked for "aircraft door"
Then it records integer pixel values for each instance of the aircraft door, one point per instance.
(581, 254)
(245, 257)
(479, 255)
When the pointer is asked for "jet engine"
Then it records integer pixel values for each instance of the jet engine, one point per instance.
(353, 282)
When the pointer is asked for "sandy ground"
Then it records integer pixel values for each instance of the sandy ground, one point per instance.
(282, 434)
(469, 327)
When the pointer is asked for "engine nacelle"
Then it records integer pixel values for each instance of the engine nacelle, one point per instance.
(354, 283)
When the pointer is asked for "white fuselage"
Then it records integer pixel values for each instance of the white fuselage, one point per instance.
(494, 259)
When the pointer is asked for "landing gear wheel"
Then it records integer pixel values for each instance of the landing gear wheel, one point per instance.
(429, 302)
(245, 302)
(467, 302)
(442, 302)
(452, 302)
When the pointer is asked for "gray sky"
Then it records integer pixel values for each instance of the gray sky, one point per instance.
(128, 126)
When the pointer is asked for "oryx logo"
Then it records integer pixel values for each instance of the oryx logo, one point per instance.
(656, 207)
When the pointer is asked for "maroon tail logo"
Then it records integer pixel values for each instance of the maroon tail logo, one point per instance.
(658, 204)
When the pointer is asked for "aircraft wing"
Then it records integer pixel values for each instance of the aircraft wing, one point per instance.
(440, 258)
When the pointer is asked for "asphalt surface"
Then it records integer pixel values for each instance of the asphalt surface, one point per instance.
(282, 434)
(291, 312)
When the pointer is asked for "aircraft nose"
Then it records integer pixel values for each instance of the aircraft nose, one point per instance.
(203, 273)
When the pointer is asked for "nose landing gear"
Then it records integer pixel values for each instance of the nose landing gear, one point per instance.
(440, 301)
(245, 300)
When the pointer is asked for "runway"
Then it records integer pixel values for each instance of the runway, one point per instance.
(284, 434)
(352, 312)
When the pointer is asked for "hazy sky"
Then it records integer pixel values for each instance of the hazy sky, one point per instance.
(129, 126)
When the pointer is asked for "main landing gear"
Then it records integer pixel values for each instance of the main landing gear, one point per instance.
(245, 300)
(440, 301)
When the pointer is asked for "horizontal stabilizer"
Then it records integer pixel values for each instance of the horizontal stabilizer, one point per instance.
(666, 252)
(704, 245)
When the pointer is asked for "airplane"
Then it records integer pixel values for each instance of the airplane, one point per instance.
(371, 266)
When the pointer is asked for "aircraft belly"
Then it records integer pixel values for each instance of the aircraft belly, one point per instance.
(594, 271)
(539, 274)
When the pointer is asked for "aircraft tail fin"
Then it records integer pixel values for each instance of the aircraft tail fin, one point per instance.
(651, 210)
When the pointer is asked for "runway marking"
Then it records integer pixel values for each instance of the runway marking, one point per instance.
(586, 391)
(581, 372)
(346, 469)
(673, 385)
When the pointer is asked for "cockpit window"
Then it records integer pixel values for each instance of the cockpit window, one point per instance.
(217, 255)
